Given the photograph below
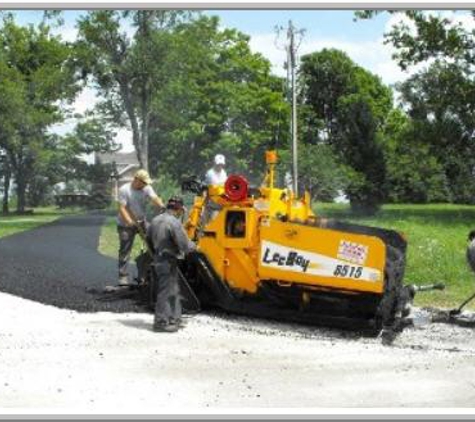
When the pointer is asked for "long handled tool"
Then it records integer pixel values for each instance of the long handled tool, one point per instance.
(470, 255)
(459, 309)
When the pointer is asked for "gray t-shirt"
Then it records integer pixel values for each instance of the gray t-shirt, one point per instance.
(135, 201)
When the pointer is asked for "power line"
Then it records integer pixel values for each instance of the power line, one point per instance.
(291, 48)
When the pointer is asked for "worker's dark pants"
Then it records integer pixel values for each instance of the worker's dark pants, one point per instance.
(168, 306)
(126, 241)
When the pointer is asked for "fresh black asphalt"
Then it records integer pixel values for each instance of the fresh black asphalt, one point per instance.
(58, 264)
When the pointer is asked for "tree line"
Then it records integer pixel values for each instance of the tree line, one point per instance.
(187, 89)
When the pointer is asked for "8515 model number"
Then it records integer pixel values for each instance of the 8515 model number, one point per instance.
(348, 271)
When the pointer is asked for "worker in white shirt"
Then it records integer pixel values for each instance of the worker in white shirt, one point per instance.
(216, 175)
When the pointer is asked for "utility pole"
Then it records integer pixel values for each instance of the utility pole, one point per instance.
(291, 80)
(291, 48)
(291, 62)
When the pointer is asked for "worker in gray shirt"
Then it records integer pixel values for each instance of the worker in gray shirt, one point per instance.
(133, 198)
(170, 243)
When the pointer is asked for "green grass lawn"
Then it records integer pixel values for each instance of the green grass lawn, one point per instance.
(436, 236)
(12, 224)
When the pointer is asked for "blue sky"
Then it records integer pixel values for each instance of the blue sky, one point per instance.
(362, 40)
(323, 28)
(337, 23)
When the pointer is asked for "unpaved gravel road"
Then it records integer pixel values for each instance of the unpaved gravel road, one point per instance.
(62, 360)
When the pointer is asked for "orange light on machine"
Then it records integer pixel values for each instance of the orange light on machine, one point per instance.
(271, 161)
(236, 188)
(271, 157)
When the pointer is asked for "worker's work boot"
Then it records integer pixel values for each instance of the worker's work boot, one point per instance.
(165, 328)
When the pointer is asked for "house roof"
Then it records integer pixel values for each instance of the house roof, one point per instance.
(121, 158)
(124, 162)
(122, 170)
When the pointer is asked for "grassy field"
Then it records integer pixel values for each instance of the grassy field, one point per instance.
(12, 224)
(436, 236)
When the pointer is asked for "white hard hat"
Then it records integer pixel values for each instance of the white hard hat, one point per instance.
(219, 159)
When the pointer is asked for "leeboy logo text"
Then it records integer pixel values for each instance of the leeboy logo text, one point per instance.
(291, 259)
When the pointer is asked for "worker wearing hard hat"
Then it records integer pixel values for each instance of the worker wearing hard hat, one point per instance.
(170, 243)
(216, 175)
(133, 198)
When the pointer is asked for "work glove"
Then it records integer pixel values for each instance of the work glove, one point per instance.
(142, 225)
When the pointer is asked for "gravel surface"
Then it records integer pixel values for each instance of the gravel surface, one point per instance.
(60, 360)
(69, 362)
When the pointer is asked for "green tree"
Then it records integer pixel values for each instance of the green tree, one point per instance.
(61, 158)
(10, 110)
(220, 97)
(359, 144)
(345, 106)
(414, 174)
(127, 69)
(38, 78)
(440, 101)
(90, 136)
(324, 78)
(320, 171)
(98, 175)
(430, 36)
(440, 98)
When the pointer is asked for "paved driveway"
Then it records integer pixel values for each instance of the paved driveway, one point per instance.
(58, 264)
